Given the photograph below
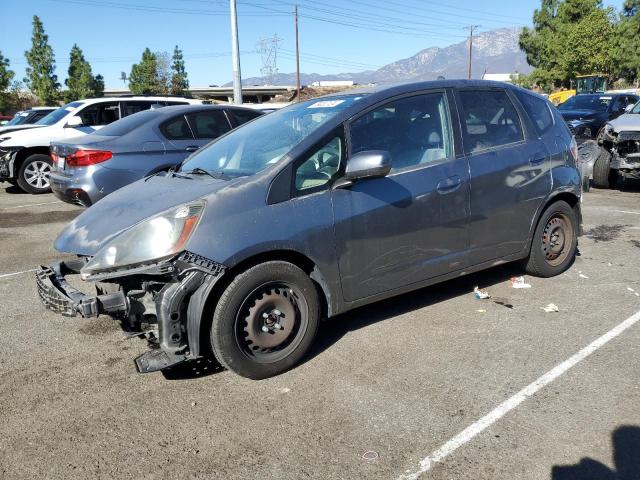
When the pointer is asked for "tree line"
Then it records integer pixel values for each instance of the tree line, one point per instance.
(581, 37)
(157, 73)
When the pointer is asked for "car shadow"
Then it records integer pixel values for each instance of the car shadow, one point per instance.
(626, 459)
(15, 190)
(629, 185)
(192, 369)
(333, 329)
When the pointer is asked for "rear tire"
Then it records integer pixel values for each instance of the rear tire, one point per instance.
(603, 175)
(33, 174)
(554, 243)
(265, 320)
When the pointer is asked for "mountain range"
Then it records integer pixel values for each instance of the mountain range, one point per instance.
(494, 51)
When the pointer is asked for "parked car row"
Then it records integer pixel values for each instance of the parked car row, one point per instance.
(311, 211)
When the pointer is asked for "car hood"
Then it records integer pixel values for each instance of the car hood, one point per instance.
(15, 128)
(626, 122)
(578, 114)
(126, 207)
(18, 138)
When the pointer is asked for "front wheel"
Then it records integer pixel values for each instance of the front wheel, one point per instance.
(554, 242)
(33, 174)
(603, 175)
(266, 320)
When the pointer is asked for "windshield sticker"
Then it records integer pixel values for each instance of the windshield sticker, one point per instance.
(69, 109)
(326, 104)
(25, 114)
(606, 98)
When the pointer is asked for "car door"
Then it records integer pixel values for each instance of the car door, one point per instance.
(94, 117)
(412, 224)
(510, 172)
(206, 125)
(180, 141)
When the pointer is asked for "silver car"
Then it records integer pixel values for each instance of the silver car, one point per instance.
(88, 168)
(319, 208)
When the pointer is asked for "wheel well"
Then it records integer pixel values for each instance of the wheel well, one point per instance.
(296, 258)
(570, 198)
(26, 153)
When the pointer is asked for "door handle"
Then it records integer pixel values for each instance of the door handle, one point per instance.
(192, 148)
(537, 159)
(448, 185)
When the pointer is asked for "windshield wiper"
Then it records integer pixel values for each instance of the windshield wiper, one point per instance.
(202, 171)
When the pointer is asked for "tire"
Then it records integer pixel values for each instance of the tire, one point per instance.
(276, 296)
(603, 175)
(33, 174)
(554, 243)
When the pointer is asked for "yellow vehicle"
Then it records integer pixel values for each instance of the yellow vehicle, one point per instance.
(581, 84)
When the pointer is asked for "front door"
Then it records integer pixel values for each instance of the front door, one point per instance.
(510, 173)
(412, 224)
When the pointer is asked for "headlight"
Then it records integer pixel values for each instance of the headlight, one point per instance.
(156, 238)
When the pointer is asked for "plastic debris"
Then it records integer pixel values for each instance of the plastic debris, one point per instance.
(582, 275)
(482, 310)
(481, 294)
(609, 264)
(518, 282)
(630, 289)
(551, 308)
(370, 455)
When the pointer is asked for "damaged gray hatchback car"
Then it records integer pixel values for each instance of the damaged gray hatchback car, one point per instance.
(321, 207)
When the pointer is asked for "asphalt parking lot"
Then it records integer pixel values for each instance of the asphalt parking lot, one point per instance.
(432, 375)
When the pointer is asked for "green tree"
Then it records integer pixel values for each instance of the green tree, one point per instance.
(40, 77)
(98, 86)
(568, 37)
(6, 75)
(80, 81)
(144, 78)
(627, 42)
(179, 81)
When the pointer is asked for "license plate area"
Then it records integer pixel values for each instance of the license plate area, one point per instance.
(60, 162)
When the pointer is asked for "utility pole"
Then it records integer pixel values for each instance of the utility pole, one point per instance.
(297, 57)
(235, 55)
(471, 28)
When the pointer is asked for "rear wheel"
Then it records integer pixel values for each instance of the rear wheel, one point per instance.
(554, 242)
(603, 175)
(266, 320)
(33, 174)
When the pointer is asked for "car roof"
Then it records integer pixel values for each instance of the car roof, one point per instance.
(177, 109)
(88, 101)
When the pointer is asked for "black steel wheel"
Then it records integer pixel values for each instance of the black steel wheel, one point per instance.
(555, 241)
(265, 320)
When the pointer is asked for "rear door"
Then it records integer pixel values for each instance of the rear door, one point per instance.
(94, 117)
(180, 141)
(509, 169)
(412, 224)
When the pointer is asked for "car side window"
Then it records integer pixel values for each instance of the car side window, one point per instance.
(414, 130)
(38, 116)
(489, 119)
(209, 124)
(321, 167)
(176, 128)
(243, 116)
(538, 110)
(134, 107)
(100, 114)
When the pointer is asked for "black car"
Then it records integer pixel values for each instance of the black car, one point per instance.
(586, 114)
(26, 119)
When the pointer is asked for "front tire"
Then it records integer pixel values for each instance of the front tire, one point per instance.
(33, 174)
(265, 320)
(555, 240)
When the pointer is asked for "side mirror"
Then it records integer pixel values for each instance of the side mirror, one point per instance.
(74, 121)
(368, 164)
(629, 107)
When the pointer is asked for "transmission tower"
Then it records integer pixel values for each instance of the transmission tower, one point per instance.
(268, 50)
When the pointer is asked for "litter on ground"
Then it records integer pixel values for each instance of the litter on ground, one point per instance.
(481, 294)
(582, 275)
(518, 282)
(551, 308)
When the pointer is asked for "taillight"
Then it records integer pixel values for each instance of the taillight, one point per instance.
(84, 158)
(573, 147)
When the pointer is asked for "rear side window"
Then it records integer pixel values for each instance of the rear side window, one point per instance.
(538, 110)
(489, 119)
(128, 123)
(243, 116)
(176, 128)
(100, 114)
(134, 107)
(209, 124)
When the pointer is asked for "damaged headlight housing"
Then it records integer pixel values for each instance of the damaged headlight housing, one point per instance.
(154, 239)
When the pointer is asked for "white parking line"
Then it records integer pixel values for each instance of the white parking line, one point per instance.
(5, 275)
(627, 211)
(29, 205)
(505, 407)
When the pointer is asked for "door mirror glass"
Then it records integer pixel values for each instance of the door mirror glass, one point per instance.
(74, 121)
(368, 164)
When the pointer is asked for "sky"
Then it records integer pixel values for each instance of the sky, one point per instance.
(335, 35)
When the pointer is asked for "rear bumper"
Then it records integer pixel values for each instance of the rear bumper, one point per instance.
(76, 189)
(60, 297)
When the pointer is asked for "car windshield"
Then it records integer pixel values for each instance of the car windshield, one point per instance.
(58, 114)
(127, 124)
(19, 119)
(636, 109)
(264, 141)
(586, 102)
